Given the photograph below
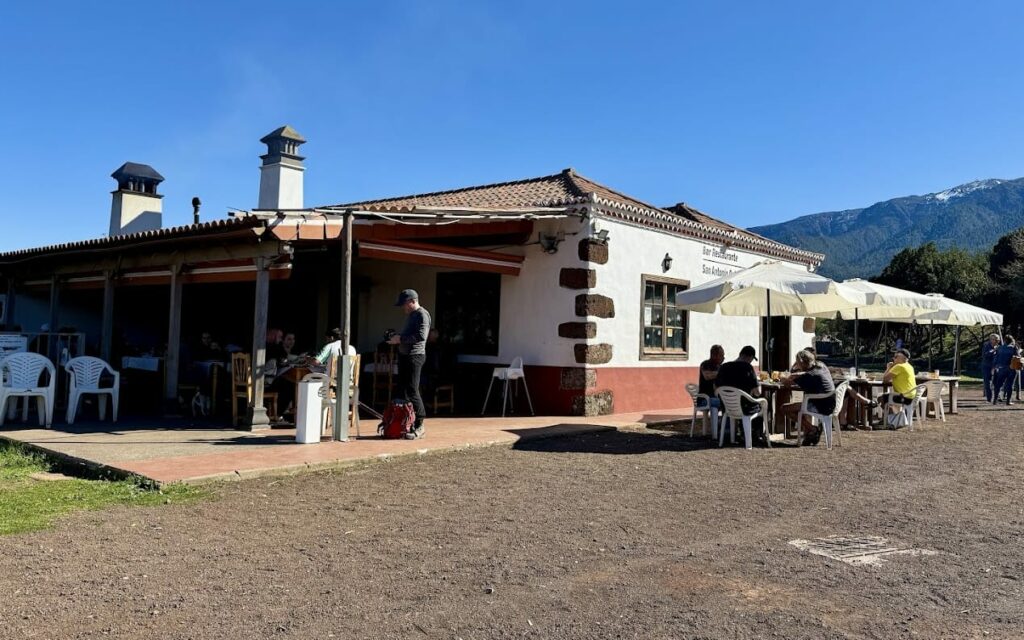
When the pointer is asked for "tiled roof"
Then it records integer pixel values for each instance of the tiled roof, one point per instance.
(568, 188)
(547, 191)
(212, 227)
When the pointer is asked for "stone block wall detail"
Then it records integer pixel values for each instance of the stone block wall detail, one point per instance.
(578, 330)
(593, 251)
(593, 353)
(595, 304)
(571, 278)
(578, 378)
(601, 403)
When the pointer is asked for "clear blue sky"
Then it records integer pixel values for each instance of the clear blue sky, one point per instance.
(755, 112)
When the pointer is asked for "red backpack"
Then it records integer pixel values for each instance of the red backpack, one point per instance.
(397, 421)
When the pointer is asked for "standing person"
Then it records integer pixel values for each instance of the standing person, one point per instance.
(900, 374)
(1003, 376)
(988, 352)
(740, 374)
(708, 374)
(412, 353)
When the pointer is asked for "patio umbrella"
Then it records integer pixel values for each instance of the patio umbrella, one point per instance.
(768, 288)
(952, 312)
(882, 302)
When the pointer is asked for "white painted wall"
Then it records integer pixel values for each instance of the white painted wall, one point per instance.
(633, 251)
(280, 186)
(132, 212)
(533, 304)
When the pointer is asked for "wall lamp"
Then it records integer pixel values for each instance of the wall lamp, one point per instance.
(549, 241)
(601, 237)
(666, 263)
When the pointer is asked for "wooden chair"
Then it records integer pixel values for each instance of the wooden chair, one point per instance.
(241, 387)
(447, 403)
(383, 376)
(330, 401)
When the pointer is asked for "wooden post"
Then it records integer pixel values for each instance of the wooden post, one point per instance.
(51, 344)
(341, 422)
(257, 417)
(12, 293)
(171, 358)
(107, 331)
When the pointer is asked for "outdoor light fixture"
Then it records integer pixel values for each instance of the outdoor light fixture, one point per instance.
(666, 263)
(549, 241)
(601, 237)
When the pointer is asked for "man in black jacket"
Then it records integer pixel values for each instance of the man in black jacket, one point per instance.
(412, 353)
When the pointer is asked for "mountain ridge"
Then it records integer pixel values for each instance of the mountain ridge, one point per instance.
(860, 242)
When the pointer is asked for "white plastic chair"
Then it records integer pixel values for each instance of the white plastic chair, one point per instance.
(20, 374)
(702, 405)
(827, 421)
(732, 406)
(84, 379)
(905, 412)
(512, 372)
(328, 400)
(932, 396)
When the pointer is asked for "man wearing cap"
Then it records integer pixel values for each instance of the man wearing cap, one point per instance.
(900, 374)
(412, 353)
(740, 374)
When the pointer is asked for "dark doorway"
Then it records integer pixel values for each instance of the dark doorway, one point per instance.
(777, 338)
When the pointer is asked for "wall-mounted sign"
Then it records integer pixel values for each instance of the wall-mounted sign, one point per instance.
(719, 262)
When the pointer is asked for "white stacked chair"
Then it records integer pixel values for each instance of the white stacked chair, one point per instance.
(507, 374)
(732, 407)
(702, 405)
(21, 373)
(932, 396)
(85, 373)
(827, 421)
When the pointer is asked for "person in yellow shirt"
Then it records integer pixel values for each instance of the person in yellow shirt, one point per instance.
(900, 374)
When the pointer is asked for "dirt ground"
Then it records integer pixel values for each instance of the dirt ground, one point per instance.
(615, 535)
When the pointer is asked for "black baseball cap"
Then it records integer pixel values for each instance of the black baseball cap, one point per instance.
(748, 351)
(903, 352)
(406, 296)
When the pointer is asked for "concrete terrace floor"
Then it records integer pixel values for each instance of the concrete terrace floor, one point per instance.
(175, 451)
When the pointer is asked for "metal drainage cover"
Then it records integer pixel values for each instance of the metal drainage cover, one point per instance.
(869, 550)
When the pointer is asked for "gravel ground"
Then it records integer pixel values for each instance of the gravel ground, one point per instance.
(616, 535)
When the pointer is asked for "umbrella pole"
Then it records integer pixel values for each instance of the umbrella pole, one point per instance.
(768, 340)
(956, 352)
(932, 325)
(856, 340)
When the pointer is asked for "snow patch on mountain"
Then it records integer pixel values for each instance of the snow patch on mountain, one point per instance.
(964, 189)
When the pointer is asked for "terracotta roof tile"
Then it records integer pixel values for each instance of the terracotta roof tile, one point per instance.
(567, 188)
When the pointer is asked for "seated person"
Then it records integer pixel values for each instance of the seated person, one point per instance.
(709, 373)
(207, 350)
(811, 377)
(332, 350)
(288, 344)
(900, 374)
(276, 365)
(739, 374)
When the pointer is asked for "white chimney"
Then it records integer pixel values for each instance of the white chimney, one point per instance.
(136, 205)
(281, 172)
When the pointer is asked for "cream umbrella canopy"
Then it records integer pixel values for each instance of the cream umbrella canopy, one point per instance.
(768, 288)
(882, 302)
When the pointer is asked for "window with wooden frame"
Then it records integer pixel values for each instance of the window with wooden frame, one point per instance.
(663, 325)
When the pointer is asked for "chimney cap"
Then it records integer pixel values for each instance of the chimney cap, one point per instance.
(283, 132)
(136, 170)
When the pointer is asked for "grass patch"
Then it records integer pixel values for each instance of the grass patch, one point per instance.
(27, 504)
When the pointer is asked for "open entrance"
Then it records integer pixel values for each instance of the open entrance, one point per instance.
(775, 338)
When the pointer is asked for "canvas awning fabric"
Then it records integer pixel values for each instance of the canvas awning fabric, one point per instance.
(441, 256)
(952, 312)
(771, 288)
(883, 302)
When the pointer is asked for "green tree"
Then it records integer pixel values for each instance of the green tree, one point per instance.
(1006, 270)
(953, 272)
